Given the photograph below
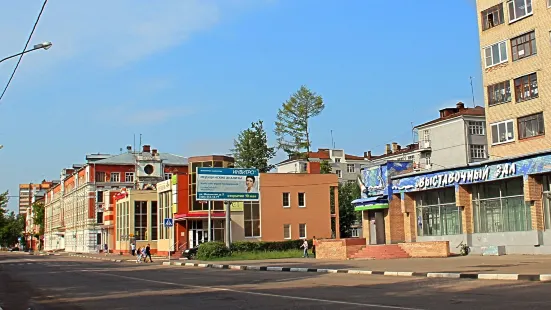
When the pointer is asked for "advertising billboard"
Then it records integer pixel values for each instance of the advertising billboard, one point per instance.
(227, 184)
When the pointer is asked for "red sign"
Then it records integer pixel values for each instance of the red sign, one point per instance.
(123, 194)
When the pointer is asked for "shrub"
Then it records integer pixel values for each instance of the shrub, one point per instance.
(210, 250)
(267, 246)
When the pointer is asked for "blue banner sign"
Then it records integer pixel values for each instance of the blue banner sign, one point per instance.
(474, 174)
(228, 184)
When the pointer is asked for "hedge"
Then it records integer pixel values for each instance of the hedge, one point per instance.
(212, 250)
(267, 246)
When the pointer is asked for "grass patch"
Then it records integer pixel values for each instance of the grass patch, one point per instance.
(260, 255)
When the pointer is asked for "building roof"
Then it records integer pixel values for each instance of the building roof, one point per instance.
(321, 154)
(130, 159)
(408, 149)
(451, 113)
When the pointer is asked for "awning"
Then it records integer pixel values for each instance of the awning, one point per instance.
(369, 200)
(370, 203)
(372, 207)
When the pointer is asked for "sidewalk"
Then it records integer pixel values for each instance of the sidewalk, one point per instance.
(113, 257)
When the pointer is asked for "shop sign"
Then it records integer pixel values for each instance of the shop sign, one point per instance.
(437, 180)
(122, 194)
(164, 186)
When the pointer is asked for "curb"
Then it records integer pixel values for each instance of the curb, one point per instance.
(448, 275)
(98, 258)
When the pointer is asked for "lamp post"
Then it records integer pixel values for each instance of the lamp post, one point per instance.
(45, 46)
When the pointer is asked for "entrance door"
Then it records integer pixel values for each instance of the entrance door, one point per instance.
(376, 227)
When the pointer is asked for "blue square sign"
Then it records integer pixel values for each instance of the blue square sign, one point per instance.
(168, 222)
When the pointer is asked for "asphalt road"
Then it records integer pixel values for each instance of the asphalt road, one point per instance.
(60, 282)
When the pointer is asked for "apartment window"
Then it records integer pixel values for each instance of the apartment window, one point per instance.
(339, 173)
(524, 45)
(302, 231)
(301, 200)
(304, 167)
(477, 151)
(411, 157)
(129, 177)
(495, 54)
(115, 177)
(519, 9)
(499, 93)
(500, 207)
(252, 219)
(526, 87)
(503, 132)
(492, 17)
(437, 213)
(100, 177)
(168, 176)
(154, 220)
(286, 200)
(99, 217)
(427, 160)
(337, 160)
(286, 231)
(531, 126)
(476, 128)
(350, 168)
(99, 196)
(140, 219)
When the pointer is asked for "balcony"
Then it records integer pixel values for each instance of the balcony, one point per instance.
(424, 145)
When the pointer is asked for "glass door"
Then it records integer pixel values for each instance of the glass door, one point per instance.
(547, 210)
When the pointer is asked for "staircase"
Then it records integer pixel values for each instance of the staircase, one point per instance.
(384, 251)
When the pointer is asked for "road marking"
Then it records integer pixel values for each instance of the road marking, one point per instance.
(261, 294)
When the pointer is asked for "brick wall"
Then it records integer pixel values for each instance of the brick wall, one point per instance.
(463, 197)
(408, 206)
(340, 249)
(533, 192)
(331, 249)
(394, 221)
(427, 249)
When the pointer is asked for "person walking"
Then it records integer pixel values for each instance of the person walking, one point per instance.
(133, 248)
(139, 254)
(305, 247)
(148, 253)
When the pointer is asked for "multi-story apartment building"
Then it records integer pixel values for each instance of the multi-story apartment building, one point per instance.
(457, 137)
(345, 166)
(78, 212)
(30, 190)
(516, 68)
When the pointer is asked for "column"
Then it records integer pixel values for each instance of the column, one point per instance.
(533, 191)
(337, 223)
(463, 198)
(408, 211)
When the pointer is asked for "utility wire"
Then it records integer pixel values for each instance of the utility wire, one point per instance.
(24, 49)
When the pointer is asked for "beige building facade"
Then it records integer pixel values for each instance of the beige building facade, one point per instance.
(516, 68)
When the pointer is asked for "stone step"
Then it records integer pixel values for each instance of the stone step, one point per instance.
(390, 251)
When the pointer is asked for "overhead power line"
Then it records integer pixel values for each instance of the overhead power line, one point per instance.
(24, 49)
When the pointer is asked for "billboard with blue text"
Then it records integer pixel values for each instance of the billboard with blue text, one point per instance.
(228, 184)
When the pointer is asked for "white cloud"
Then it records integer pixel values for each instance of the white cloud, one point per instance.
(110, 33)
(156, 115)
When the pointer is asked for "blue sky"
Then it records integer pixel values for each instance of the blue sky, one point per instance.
(189, 75)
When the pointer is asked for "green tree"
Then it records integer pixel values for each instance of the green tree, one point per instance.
(325, 167)
(251, 148)
(38, 216)
(348, 192)
(292, 123)
(11, 226)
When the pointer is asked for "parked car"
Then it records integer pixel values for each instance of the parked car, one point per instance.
(14, 249)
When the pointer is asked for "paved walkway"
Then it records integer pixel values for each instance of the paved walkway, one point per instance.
(518, 264)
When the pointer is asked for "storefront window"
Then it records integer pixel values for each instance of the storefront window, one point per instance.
(500, 207)
(437, 213)
(547, 201)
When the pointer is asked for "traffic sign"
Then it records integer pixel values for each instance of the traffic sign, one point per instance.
(168, 222)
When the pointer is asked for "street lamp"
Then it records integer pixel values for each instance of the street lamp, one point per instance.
(46, 45)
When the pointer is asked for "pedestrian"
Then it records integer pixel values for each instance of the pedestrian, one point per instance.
(148, 253)
(133, 248)
(305, 247)
(314, 244)
(139, 254)
(106, 248)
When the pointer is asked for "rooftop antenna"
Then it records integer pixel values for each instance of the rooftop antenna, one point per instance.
(472, 91)
(412, 133)
(134, 150)
(140, 141)
(332, 141)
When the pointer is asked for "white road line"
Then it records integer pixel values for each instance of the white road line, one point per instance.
(262, 294)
